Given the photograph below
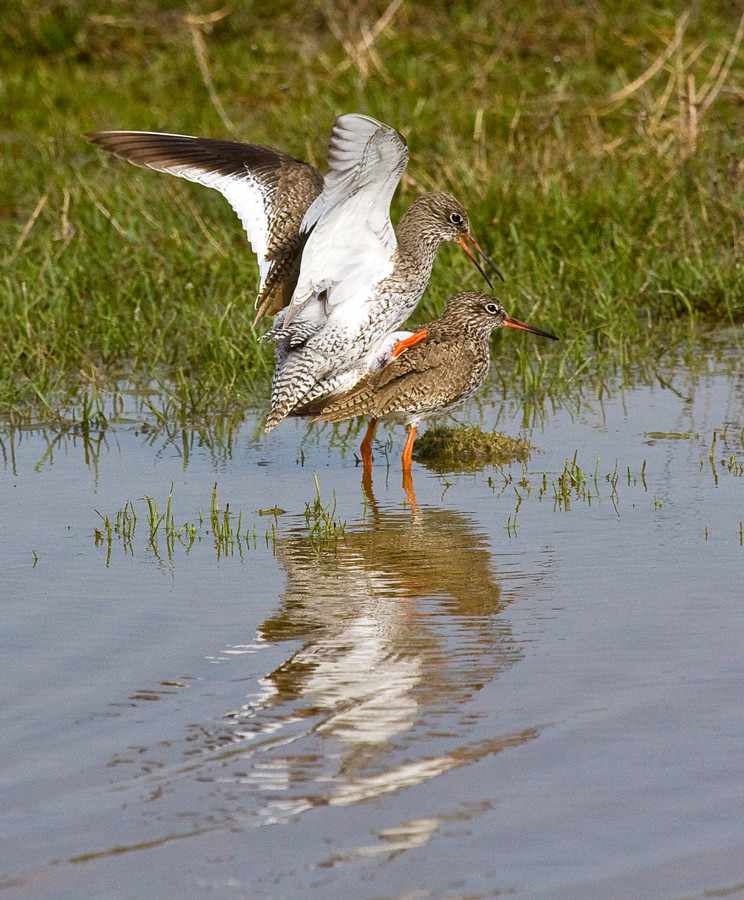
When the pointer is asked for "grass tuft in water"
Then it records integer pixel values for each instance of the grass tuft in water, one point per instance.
(225, 529)
(324, 528)
(572, 484)
(464, 445)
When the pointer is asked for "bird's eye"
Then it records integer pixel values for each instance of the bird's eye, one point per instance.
(492, 308)
(456, 218)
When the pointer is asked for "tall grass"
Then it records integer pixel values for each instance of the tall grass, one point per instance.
(598, 148)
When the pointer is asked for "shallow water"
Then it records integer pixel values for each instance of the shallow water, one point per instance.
(531, 681)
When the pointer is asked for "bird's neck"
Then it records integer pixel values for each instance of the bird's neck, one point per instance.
(417, 244)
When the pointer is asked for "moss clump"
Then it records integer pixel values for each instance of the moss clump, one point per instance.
(467, 444)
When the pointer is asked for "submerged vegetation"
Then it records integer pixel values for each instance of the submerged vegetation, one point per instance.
(599, 149)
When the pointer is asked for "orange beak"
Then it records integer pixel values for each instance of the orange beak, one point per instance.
(523, 326)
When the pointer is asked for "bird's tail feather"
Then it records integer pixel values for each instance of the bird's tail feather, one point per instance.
(292, 382)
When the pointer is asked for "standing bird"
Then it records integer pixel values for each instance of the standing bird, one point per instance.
(444, 365)
(326, 248)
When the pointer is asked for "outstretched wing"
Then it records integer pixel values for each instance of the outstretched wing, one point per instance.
(352, 241)
(269, 190)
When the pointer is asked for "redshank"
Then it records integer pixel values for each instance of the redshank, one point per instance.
(447, 362)
(323, 361)
(281, 201)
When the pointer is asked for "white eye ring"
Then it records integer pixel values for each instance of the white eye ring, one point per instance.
(492, 308)
(456, 218)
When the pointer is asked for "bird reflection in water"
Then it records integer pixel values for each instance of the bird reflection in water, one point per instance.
(399, 628)
(390, 637)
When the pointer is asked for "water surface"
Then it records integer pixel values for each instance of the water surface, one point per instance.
(529, 681)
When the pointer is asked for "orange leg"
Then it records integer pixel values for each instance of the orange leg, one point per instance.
(408, 488)
(367, 485)
(408, 342)
(408, 449)
(366, 447)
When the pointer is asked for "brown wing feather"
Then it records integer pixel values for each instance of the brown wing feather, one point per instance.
(269, 190)
(431, 374)
(155, 150)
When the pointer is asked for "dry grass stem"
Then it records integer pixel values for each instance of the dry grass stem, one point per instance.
(29, 225)
(196, 23)
(723, 74)
(201, 223)
(657, 65)
(692, 130)
(361, 53)
(99, 206)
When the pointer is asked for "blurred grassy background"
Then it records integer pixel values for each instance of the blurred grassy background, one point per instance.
(597, 146)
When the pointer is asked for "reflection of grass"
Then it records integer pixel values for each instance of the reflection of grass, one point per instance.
(597, 153)
(463, 446)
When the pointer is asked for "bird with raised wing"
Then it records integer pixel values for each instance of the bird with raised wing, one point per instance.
(326, 248)
(280, 200)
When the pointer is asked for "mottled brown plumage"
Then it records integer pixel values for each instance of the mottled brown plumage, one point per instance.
(431, 378)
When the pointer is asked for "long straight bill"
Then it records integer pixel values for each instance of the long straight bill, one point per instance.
(523, 326)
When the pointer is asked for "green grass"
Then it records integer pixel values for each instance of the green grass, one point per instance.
(226, 530)
(598, 148)
(324, 529)
(223, 526)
